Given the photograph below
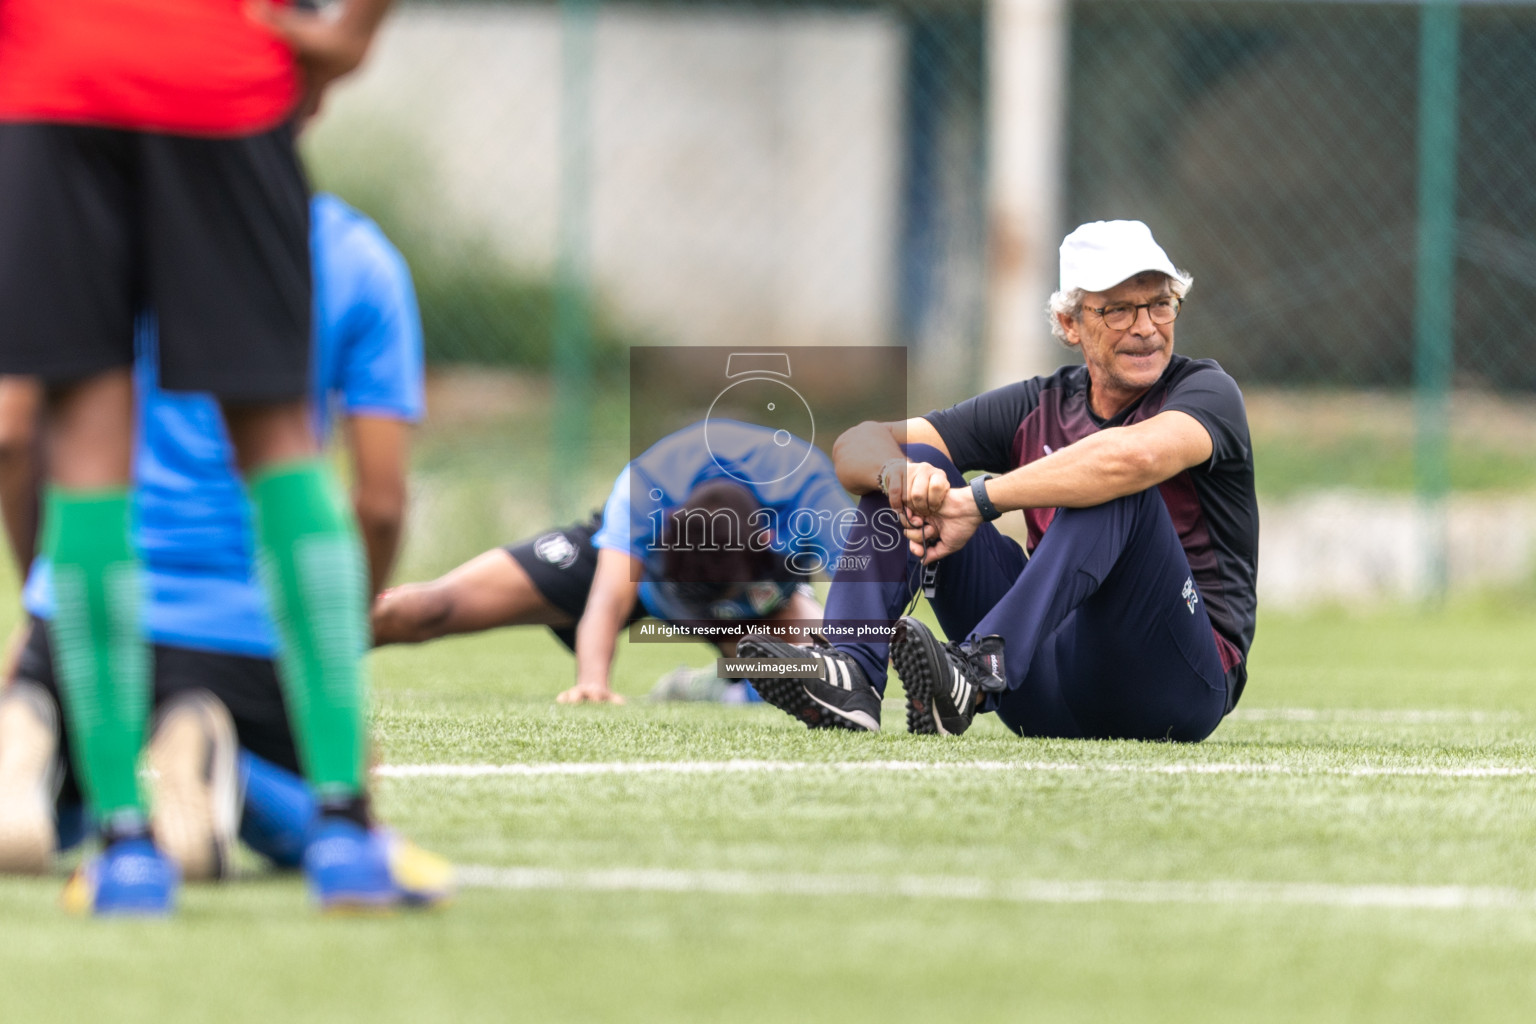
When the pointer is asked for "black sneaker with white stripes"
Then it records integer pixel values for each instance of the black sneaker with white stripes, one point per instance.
(841, 699)
(944, 682)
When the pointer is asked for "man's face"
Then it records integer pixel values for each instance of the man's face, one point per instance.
(1122, 364)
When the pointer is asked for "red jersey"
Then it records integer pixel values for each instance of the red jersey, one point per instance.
(186, 67)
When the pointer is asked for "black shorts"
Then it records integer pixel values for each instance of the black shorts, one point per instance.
(248, 687)
(562, 565)
(210, 235)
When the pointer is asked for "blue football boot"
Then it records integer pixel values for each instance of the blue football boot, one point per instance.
(347, 868)
(131, 878)
(356, 870)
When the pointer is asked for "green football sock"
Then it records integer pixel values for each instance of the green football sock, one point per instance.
(98, 642)
(312, 568)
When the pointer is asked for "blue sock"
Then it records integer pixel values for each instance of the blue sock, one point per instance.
(740, 691)
(278, 811)
(72, 826)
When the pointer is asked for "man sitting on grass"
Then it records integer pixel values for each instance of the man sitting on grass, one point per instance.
(654, 551)
(1132, 615)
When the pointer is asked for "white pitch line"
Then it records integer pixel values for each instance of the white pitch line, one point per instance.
(941, 887)
(588, 768)
(1375, 716)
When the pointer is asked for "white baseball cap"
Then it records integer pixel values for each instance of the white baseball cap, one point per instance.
(1099, 255)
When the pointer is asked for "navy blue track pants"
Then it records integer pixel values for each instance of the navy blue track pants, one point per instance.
(1105, 633)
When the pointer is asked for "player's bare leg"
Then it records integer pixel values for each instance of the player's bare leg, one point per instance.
(486, 592)
(268, 434)
(22, 400)
(90, 432)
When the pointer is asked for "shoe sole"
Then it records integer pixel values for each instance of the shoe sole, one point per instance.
(843, 718)
(796, 702)
(358, 906)
(28, 748)
(196, 809)
(145, 906)
(792, 698)
(919, 661)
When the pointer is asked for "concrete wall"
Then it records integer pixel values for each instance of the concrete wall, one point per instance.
(743, 163)
(1360, 549)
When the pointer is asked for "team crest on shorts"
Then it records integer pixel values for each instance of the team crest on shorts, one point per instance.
(724, 610)
(556, 549)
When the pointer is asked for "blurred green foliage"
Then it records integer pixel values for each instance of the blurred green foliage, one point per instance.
(477, 307)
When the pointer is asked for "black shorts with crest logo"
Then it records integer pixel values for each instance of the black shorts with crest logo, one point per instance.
(562, 565)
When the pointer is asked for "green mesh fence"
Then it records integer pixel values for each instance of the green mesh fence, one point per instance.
(787, 173)
(817, 172)
(1351, 184)
(1275, 147)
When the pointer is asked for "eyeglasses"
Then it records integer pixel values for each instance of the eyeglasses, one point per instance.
(1121, 316)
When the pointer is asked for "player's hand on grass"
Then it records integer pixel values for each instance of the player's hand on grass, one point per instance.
(589, 692)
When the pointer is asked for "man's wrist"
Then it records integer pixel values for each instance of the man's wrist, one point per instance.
(891, 473)
(983, 502)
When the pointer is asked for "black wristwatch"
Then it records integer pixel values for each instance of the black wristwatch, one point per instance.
(984, 504)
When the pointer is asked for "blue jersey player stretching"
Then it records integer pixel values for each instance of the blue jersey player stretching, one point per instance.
(634, 560)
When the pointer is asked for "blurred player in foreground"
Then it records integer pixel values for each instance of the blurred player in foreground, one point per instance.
(215, 680)
(647, 554)
(147, 162)
(1133, 614)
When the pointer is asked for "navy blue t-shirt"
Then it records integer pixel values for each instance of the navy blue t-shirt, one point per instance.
(1213, 506)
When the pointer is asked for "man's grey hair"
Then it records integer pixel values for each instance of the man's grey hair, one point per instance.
(1070, 302)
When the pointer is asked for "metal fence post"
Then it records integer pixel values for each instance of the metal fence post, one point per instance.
(573, 285)
(1434, 289)
(1026, 95)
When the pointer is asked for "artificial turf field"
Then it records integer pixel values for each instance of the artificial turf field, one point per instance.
(1357, 843)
